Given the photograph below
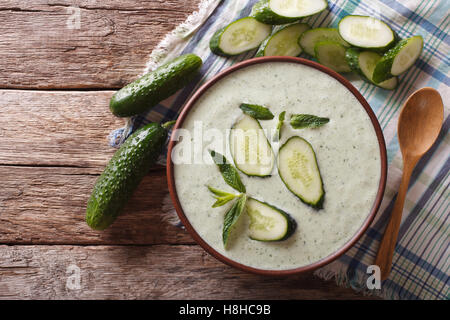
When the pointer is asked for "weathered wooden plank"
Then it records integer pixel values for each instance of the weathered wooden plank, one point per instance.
(149, 272)
(45, 205)
(42, 45)
(59, 128)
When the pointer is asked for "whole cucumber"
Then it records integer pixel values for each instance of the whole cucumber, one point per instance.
(152, 88)
(123, 173)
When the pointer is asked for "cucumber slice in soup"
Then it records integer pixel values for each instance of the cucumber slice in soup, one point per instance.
(366, 32)
(297, 166)
(283, 42)
(364, 64)
(398, 59)
(250, 148)
(286, 11)
(239, 36)
(310, 38)
(332, 55)
(268, 223)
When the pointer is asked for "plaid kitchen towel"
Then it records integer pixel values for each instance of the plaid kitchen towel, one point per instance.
(421, 262)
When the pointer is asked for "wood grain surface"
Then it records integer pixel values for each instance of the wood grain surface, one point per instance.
(55, 84)
(43, 46)
(150, 272)
(47, 205)
(56, 128)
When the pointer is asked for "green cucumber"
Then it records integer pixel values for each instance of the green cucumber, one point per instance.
(286, 11)
(284, 42)
(155, 86)
(298, 169)
(398, 59)
(123, 173)
(268, 223)
(250, 148)
(364, 62)
(310, 38)
(239, 36)
(366, 32)
(332, 55)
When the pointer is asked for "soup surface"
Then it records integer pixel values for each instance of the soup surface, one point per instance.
(346, 148)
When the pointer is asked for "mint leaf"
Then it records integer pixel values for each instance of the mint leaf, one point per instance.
(219, 193)
(256, 111)
(223, 200)
(231, 217)
(300, 121)
(228, 171)
(222, 197)
(279, 126)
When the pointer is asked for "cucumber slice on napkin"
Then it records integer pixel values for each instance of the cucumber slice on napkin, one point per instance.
(398, 59)
(366, 32)
(364, 64)
(286, 11)
(310, 38)
(332, 55)
(239, 36)
(284, 42)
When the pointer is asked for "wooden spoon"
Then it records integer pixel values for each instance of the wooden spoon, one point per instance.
(419, 125)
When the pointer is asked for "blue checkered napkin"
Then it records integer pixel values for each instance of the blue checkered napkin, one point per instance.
(421, 261)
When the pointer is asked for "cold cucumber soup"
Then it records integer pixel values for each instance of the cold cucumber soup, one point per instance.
(346, 150)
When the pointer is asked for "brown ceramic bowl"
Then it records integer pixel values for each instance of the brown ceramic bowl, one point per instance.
(365, 225)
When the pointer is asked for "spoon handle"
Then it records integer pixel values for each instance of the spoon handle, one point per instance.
(389, 240)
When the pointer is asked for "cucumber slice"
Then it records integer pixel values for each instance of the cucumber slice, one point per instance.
(268, 223)
(398, 59)
(310, 38)
(283, 42)
(364, 64)
(239, 36)
(297, 166)
(332, 55)
(297, 8)
(286, 11)
(389, 84)
(366, 32)
(250, 148)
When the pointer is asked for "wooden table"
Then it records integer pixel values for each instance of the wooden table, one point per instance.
(55, 84)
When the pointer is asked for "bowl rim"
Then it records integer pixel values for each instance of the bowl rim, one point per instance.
(331, 257)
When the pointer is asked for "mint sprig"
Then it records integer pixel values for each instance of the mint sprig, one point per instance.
(232, 216)
(256, 111)
(281, 117)
(300, 121)
(228, 171)
(221, 197)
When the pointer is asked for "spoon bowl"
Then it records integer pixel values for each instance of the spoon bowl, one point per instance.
(420, 121)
